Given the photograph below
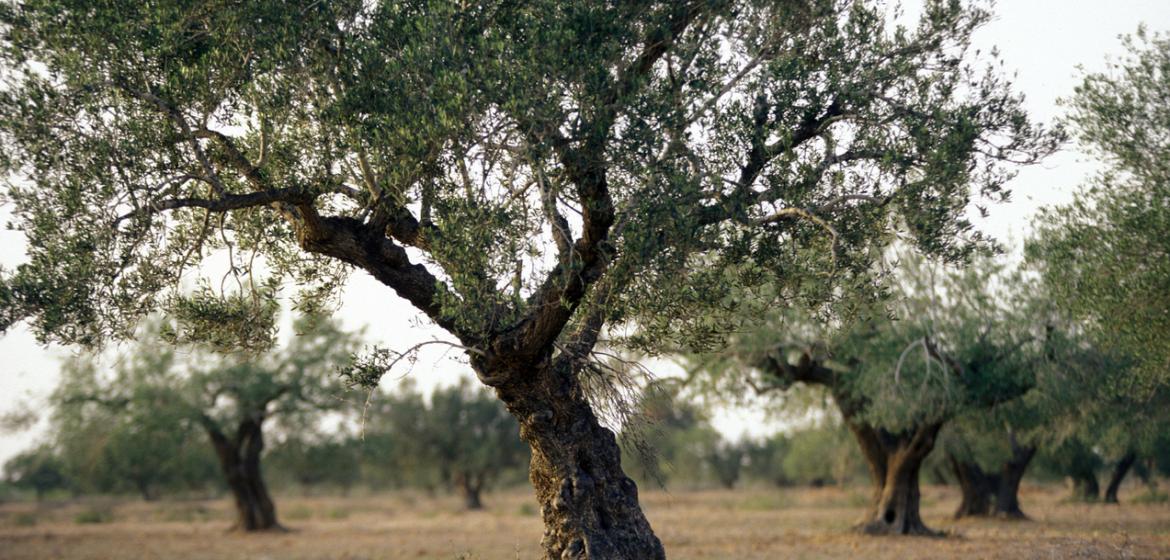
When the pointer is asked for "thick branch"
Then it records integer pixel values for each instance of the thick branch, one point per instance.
(229, 202)
(782, 374)
(351, 241)
(556, 300)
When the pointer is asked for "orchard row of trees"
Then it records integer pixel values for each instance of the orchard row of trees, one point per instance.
(167, 419)
(549, 181)
(404, 440)
(116, 454)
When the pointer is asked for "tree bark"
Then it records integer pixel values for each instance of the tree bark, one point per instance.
(239, 460)
(894, 462)
(589, 506)
(976, 485)
(1118, 476)
(1007, 499)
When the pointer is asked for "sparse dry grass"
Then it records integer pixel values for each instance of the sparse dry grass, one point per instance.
(755, 523)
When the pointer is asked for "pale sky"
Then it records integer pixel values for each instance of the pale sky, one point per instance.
(1044, 41)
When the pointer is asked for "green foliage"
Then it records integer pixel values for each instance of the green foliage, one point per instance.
(796, 137)
(316, 460)
(144, 425)
(726, 461)
(1106, 255)
(94, 515)
(821, 454)
(225, 323)
(765, 460)
(946, 340)
(671, 439)
(39, 470)
(1072, 458)
(462, 435)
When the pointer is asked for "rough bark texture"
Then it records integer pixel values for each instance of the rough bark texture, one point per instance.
(976, 485)
(590, 507)
(239, 459)
(1007, 499)
(894, 462)
(1118, 476)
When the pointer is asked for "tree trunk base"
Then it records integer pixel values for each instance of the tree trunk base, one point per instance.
(977, 487)
(589, 506)
(1115, 480)
(894, 461)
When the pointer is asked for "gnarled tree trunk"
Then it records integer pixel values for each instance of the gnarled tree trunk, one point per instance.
(894, 462)
(977, 487)
(239, 460)
(589, 506)
(1118, 476)
(1007, 498)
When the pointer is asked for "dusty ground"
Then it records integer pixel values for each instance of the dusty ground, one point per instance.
(754, 523)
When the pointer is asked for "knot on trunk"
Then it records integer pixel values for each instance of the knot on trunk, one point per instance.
(628, 488)
(582, 483)
(494, 379)
(575, 550)
(564, 496)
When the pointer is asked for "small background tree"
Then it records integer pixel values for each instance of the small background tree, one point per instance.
(152, 392)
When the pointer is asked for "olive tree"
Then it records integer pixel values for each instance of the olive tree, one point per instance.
(1106, 255)
(40, 470)
(519, 173)
(459, 437)
(988, 460)
(230, 398)
(671, 439)
(897, 372)
(469, 437)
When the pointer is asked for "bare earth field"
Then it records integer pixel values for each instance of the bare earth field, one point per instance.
(752, 523)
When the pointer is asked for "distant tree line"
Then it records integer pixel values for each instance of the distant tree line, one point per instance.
(163, 422)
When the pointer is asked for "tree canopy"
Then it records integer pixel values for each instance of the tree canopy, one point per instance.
(343, 135)
(1106, 255)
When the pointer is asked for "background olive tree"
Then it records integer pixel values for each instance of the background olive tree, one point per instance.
(945, 341)
(154, 392)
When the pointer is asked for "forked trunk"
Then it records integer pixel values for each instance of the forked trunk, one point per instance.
(977, 487)
(1118, 476)
(1007, 499)
(589, 506)
(239, 459)
(894, 462)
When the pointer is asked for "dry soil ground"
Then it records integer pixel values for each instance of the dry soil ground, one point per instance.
(753, 523)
